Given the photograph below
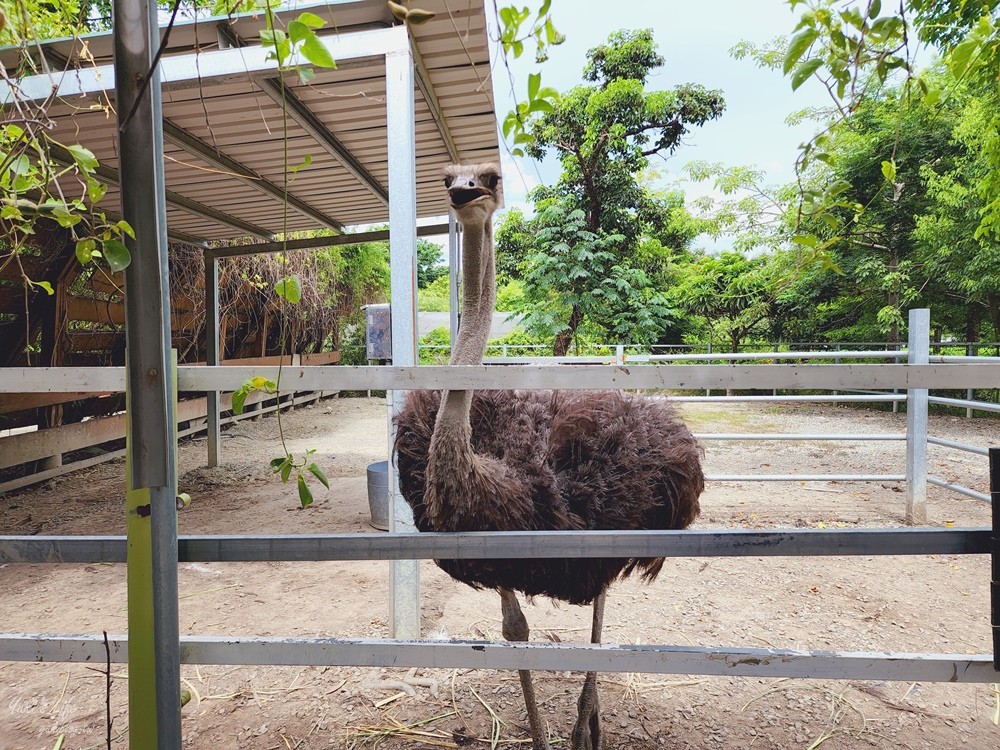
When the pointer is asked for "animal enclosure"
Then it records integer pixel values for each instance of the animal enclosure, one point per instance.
(753, 602)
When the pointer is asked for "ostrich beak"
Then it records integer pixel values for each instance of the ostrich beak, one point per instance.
(463, 196)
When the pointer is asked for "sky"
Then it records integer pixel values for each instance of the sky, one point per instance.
(695, 37)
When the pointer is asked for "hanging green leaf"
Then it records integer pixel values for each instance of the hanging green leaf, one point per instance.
(305, 494)
(95, 190)
(797, 47)
(318, 473)
(306, 75)
(117, 255)
(803, 71)
(85, 250)
(306, 161)
(84, 158)
(889, 171)
(289, 289)
(315, 51)
(125, 228)
(240, 398)
(311, 20)
(297, 31)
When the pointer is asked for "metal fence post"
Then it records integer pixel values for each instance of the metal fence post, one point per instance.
(916, 421)
(400, 115)
(213, 356)
(995, 555)
(971, 350)
(151, 384)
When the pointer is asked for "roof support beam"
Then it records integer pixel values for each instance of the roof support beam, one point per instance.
(430, 96)
(110, 176)
(308, 121)
(301, 114)
(197, 147)
(205, 68)
(309, 243)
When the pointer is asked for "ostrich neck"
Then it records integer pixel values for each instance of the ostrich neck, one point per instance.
(452, 462)
(478, 293)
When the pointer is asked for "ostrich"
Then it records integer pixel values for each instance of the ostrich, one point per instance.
(538, 460)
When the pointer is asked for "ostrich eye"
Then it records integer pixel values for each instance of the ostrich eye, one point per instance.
(447, 182)
(492, 181)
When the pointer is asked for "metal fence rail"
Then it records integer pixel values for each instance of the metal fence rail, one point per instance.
(715, 661)
(511, 544)
(484, 545)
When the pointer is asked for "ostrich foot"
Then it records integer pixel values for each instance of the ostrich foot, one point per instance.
(515, 628)
(587, 730)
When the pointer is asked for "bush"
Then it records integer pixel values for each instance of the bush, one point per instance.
(435, 347)
(435, 297)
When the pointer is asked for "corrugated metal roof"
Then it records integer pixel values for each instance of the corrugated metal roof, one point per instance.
(225, 137)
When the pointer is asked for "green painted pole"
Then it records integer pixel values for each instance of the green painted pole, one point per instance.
(141, 623)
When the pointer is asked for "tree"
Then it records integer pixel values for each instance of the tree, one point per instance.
(947, 236)
(429, 265)
(731, 292)
(577, 273)
(604, 133)
(854, 51)
(514, 241)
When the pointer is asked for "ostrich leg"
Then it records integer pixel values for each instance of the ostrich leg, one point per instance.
(515, 628)
(587, 730)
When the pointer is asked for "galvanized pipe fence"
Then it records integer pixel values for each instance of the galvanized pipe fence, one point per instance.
(777, 662)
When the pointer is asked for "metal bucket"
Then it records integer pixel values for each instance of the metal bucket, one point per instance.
(378, 494)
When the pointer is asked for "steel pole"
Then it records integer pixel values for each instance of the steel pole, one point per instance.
(454, 275)
(151, 415)
(212, 355)
(916, 421)
(995, 554)
(400, 113)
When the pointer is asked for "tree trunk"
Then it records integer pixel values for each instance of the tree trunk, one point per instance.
(893, 299)
(565, 337)
(973, 321)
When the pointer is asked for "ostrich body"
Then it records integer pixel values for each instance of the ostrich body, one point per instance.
(538, 460)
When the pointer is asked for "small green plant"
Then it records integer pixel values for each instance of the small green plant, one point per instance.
(285, 465)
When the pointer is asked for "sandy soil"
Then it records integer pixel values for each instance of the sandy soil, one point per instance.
(914, 604)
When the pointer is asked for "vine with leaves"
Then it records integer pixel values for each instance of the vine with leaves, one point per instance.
(45, 179)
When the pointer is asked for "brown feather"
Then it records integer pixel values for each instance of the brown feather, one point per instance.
(557, 460)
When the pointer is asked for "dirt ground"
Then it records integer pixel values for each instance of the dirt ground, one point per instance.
(910, 604)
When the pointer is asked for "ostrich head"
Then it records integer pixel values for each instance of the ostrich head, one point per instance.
(474, 191)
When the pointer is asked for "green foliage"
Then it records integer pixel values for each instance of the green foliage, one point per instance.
(429, 263)
(289, 289)
(435, 297)
(856, 50)
(518, 26)
(510, 296)
(435, 347)
(42, 179)
(731, 293)
(296, 44)
(626, 56)
(581, 275)
(604, 133)
(576, 257)
(513, 240)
